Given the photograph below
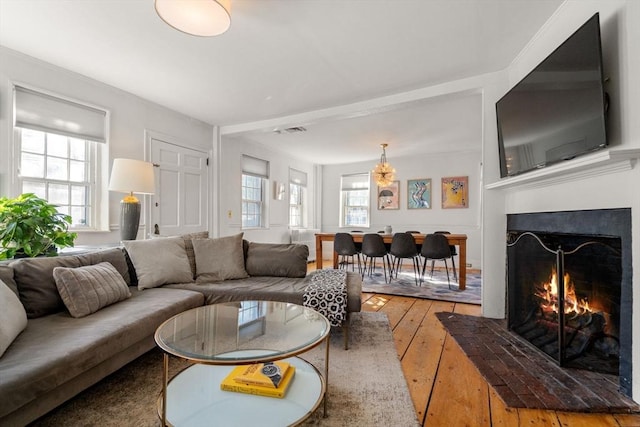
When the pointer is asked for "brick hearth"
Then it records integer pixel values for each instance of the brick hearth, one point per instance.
(524, 378)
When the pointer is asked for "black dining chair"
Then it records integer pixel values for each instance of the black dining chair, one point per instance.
(373, 247)
(346, 249)
(454, 252)
(435, 248)
(403, 246)
(418, 246)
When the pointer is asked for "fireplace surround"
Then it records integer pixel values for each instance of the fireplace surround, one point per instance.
(592, 250)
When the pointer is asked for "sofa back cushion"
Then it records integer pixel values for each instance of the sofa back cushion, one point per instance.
(219, 259)
(87, 289)
(37, 287)
(159, 261)
(277, 259)
(6, 275)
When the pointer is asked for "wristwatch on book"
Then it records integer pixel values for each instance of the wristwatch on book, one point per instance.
(272, 370)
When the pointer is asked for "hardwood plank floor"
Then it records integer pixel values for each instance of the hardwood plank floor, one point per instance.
(446, 388)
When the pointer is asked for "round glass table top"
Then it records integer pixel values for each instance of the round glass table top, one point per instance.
(215, 333)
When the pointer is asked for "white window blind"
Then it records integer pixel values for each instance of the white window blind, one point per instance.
(255, 167)
(39, 111)
(355, 182)
(297, 177)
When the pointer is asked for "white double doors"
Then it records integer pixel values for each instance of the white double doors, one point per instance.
(180, 204)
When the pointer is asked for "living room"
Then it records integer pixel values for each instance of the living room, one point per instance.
(597, 183)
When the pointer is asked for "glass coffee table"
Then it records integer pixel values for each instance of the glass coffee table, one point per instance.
(221, 336)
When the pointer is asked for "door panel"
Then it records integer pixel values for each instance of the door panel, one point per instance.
(180, 203)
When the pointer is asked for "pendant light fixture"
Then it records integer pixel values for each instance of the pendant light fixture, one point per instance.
(383, 173)
(203, 18)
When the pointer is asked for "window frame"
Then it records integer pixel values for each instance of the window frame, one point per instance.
(298, 185)
(261, 203)
(344, 198)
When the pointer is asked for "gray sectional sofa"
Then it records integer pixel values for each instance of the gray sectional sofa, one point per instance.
(73, 337)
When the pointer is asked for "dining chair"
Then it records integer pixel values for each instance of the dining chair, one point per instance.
(373, 247)
(346, 249)
(403, 246)
(435, 248)
(454, 252)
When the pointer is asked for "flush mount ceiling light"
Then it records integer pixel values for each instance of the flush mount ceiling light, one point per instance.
(383, 173)
(203, 18)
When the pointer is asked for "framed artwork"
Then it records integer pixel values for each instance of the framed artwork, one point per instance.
(455, 192)
(419, 193)
(389, 196)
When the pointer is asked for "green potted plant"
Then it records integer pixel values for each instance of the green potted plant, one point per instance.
(30, 226)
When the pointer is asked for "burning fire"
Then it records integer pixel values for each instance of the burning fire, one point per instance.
(549, 295)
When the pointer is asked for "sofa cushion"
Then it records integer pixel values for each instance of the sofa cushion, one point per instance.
(87, 289)
(36, 285)
(159, 261)
(219, 259)
(13, 318)
(188, 246)
(6, 275)
(273, 259)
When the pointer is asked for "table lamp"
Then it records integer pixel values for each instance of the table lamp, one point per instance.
(131, 176)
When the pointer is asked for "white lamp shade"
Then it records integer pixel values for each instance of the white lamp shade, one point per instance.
(196, 17)
(132, 176)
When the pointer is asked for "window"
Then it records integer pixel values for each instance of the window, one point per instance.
(354, 206)
(58, 168)
(60, 146)
(297, 198)
(255, 173)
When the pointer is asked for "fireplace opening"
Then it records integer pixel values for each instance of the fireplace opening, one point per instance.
(564, 296)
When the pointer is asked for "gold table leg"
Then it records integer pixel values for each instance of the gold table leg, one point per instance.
(165, 379)
(326, 374)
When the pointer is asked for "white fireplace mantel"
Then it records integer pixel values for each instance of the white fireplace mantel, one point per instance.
(598, 163)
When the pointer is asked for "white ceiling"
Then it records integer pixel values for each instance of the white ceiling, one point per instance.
(288, 57)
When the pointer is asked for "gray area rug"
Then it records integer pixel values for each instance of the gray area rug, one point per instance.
(432, 288)
(366, 385)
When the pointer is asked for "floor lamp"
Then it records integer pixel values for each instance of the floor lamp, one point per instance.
(131, 176)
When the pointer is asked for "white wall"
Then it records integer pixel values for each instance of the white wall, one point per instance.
(611, 185)
(130, 117)
(435, 166)
(230, 201)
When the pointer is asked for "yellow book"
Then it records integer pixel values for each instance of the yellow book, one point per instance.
(268, 374)
(229, 384)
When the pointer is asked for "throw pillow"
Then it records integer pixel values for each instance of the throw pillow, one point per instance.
(277, 259)
(219, 259)
(87, 289)
(159, 261)
(13, 317)
(37, 286)
(188, 245)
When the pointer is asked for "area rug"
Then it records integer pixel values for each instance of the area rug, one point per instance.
(366, 385)
(432, 288)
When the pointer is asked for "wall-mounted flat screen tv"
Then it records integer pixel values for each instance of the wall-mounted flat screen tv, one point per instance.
(558, 111)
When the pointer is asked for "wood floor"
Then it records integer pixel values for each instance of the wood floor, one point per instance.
(446, 388)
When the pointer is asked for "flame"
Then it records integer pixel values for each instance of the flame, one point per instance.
(572, 304)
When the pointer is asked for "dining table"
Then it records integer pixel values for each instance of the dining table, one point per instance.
(459, 240)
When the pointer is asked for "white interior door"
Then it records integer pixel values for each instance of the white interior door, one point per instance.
(181, 200)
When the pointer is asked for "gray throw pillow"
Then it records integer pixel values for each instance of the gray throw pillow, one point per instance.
(13, 317)
(6, 276)
(159, 261)
(188, 245)
(219, 259)
(86, 290)
(277, 259)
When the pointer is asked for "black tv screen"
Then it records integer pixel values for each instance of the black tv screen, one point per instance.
(557, 112)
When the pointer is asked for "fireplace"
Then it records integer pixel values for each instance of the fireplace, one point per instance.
(569, 287)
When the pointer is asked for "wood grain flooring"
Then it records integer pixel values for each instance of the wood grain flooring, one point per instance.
(446, 388)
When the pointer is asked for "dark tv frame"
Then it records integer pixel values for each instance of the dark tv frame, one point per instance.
(605, 103)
